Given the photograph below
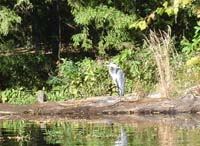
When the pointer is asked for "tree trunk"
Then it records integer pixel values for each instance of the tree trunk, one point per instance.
(36, 30)
(56, 30)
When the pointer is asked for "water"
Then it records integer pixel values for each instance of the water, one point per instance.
(153, 131)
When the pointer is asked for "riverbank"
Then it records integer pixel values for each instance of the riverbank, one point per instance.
(101, 106)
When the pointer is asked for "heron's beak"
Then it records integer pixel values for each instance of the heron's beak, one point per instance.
(106, 65)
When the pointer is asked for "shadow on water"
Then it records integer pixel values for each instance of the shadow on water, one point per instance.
(118, 130)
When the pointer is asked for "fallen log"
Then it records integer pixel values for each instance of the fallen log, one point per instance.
(187, 104)
(104, 106)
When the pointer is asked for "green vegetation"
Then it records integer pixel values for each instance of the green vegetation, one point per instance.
(60, 47)
(77, 80)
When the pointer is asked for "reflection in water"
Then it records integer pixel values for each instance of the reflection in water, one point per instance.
(165, 134)
(122, 140)
(162, 133)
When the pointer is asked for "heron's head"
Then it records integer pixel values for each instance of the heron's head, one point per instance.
(111, 65)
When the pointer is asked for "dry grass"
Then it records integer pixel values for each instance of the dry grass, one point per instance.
(160, 45)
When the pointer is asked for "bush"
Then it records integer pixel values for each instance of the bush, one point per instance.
(139, 67)
(78, 80)
(17, 96)
(186, 66)
(189, 47)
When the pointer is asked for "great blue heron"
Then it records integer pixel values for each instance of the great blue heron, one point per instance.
(118, 77)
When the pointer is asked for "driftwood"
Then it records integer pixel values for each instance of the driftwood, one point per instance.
(101, 106)
(187, 104)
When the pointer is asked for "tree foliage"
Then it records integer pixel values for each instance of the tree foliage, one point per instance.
(8, 19)
(102, 27)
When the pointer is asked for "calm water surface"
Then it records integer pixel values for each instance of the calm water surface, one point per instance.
(91, 133)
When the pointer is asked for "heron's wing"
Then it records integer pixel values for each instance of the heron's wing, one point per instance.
(113, 74)
(121, 80)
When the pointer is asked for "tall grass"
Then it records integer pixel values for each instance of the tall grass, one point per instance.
(160, 44)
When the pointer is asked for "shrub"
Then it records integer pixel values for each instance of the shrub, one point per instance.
(78, 80)
(139, 67)
(17, 96)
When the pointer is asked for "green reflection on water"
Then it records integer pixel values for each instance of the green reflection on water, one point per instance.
(26, 133)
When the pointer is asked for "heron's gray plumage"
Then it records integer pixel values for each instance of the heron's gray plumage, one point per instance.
(118, 77)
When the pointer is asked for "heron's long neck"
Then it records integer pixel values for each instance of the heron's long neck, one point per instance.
(113, 70)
